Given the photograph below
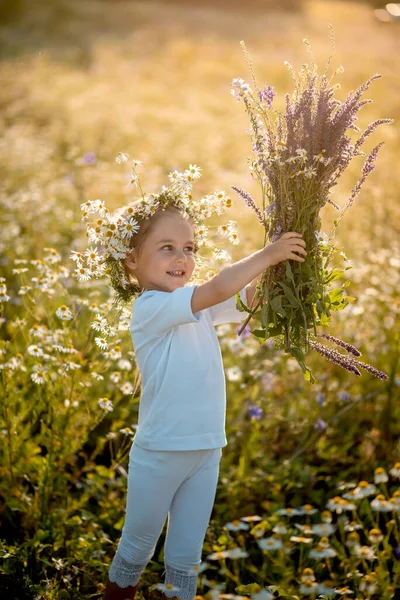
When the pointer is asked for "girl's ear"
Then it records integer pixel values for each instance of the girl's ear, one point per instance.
(131, 259)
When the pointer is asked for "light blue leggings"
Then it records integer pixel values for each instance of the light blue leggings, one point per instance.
(178, 484)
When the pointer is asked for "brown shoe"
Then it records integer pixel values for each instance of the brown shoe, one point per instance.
(114, 592)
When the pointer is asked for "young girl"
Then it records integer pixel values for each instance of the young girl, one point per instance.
(174, 459)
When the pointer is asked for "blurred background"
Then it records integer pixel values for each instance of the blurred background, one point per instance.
(83, 80)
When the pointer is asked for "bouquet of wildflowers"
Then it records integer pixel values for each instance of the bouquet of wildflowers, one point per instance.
(299, 156)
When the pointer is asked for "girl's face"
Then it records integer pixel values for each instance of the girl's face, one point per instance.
(168, 249)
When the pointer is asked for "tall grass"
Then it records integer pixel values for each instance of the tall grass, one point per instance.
(155, 82)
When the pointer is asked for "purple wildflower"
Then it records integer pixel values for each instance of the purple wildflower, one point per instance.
(255, 411)
(89, 158)
(266, 96)
(345, 396)
(250, 202)
(320, 425)
(339, 359)
(345, 345)
(320, 398)
(267, 380)
(245, 333)
(368, 167)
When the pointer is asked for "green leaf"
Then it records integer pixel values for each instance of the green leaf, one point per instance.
(334, 275)
(289, 295)
(250, 588)
(276, 305)
(289, 272)
(260, 333)
(239, 304)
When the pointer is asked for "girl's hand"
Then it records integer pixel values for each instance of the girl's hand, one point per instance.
(285, 248)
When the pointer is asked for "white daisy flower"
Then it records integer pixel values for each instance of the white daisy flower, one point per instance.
(106, 404)
(166, 587)
(39, 374)
(101, 342)
(35, 350)
(121, 158)
(395, 471)
(233, 373)
(194, 171)
(64, 313)
(99, 323)
(236, 525)
(380, 504)
(270, 543)
(323, 529)
(128, 227)
(115, 376)
(126, 388)
(380, 476)
(364, 552)
(83, 274)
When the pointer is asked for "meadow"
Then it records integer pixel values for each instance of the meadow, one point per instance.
(308, 497)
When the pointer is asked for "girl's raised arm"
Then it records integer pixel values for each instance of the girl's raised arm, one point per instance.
(235, 277)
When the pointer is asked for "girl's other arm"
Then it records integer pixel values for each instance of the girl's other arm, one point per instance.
(235, 277)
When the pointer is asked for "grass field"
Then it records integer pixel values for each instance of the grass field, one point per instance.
(80, 82)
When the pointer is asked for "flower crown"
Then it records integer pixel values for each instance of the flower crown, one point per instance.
(112, 233)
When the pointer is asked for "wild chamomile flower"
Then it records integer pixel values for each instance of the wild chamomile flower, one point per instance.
(99, 323)
(309, 172)
(395, 471)
(307, 574)
(326, 588)
(124, 364)
(364, 552)
(366, 489)
(23, 290)
(300, 539)
(380, 476)
(233, 373)
(368, 584)
(39, 374)
(270, 543)
(126, 388)
(307, 509)
(234, 554)
(121, 158)
(35, 350)
(64, 313)
(380, 504)
(126, 431)
(251, 518)
(289, 512)
(193, 171)
(236, 525)
(105, 404)
(375, 536)
(338, 505)
(166, 587)
(101, 342)
(322, 550)
(353, 539)
(323, 529)
(308, 587)
(280, 529)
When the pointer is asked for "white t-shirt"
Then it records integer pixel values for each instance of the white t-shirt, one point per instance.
(183, 400)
